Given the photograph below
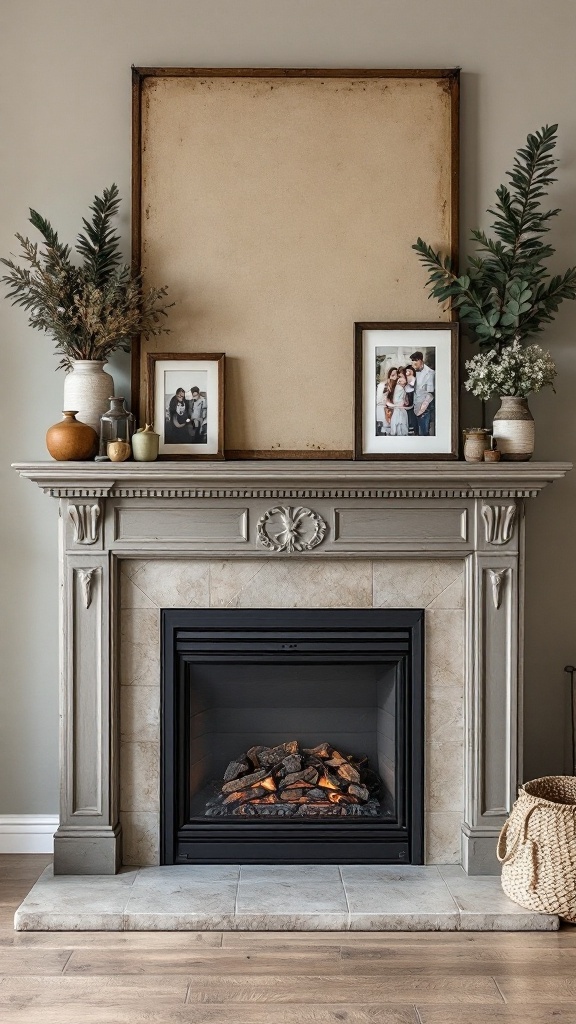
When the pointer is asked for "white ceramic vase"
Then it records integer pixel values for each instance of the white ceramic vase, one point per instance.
(87, 389)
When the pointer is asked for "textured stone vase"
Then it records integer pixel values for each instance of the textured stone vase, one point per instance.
(475, 443)
(70, 441)
(513, 429)
(87, 388)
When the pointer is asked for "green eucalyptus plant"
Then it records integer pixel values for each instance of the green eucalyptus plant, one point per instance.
(89, 309)
(507, 293)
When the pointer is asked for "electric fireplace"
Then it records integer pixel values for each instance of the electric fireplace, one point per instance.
(292, 736)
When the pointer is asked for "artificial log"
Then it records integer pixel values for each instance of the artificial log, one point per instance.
(291, 782)
(235, 769)
(244, 782)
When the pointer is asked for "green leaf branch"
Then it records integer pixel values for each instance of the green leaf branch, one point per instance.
(506, 293)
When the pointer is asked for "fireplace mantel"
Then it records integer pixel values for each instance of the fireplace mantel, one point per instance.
(311, 510)
(293, 479)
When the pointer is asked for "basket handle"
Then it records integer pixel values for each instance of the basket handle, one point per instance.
(506, 855)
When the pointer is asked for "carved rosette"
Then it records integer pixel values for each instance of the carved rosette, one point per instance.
(498, 523)
(285, 528)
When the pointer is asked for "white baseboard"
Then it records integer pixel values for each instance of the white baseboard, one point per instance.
(27, 833)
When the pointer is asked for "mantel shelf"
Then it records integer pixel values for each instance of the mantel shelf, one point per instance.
(293, 479)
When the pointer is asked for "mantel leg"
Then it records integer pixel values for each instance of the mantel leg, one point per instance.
(493, 693)
(88, 838)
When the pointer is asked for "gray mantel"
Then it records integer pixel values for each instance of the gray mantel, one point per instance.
(315, 509)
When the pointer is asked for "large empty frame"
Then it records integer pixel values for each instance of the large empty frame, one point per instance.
(280, 208)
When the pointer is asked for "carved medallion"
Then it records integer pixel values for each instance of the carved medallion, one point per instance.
(85, 519)
(498, 523)
(285, 528)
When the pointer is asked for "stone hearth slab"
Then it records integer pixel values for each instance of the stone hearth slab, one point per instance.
(312, 897)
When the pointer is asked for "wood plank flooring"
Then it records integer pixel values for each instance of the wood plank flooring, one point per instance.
(277, 978)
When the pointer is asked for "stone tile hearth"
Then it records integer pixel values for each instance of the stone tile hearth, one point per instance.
(147, 586)
(275, 898)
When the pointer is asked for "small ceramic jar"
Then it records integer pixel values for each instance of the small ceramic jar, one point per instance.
(491, 455)
(118, 451)
(476, 441)
(145, 444)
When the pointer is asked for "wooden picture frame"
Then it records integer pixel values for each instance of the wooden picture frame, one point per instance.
(181, 392)
(405, 390)
(279, 205)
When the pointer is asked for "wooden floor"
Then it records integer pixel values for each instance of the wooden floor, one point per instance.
(277, 978)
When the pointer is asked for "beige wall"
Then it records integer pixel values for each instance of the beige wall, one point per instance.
(65, 133)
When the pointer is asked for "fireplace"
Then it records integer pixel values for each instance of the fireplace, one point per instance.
(446, 537)
(292, 736)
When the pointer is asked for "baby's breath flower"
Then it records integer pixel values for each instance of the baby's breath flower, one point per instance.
(517, 370)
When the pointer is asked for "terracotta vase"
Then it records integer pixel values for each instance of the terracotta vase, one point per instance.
(514, 429)
(71, 441)
(87, 388)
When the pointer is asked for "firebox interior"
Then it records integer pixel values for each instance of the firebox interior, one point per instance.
(235, 679)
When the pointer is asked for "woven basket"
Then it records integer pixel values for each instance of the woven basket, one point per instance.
(537, 847)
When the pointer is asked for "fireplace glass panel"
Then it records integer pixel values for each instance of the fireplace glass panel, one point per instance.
(232, 709)
(237, 684)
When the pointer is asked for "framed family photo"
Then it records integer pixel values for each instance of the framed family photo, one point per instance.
(185, 403)
(405, 390)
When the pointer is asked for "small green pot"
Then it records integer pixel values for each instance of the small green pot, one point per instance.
(145, 444)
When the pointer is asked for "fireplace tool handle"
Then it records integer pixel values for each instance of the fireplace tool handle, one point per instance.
(570, 670)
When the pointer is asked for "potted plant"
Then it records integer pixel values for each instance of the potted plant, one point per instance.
(90, 308)
(507, 293)
(513, 374)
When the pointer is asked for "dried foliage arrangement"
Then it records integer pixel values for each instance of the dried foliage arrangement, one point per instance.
(89, 309)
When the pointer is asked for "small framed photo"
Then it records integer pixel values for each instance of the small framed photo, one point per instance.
(185, 402)
(405, 400)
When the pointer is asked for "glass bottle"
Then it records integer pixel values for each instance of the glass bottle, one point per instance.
(117, 424)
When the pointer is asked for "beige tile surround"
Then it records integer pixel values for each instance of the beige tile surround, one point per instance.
(147, 586)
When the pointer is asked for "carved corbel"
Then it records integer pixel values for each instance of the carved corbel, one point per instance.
(86, 522)
(498, 523)
(86, 576)
(497, 577)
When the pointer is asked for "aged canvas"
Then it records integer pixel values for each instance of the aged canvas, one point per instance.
(280, 208)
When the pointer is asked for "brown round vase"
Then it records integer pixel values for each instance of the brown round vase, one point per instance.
(71, 441)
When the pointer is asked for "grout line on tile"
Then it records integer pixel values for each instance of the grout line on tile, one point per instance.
(453, 898)
(435, 598)
(237, 891)
(348, 915)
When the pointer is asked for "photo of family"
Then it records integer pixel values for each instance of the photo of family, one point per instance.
(185, 402)
(185, 407)
(405, 398)
(405, 391)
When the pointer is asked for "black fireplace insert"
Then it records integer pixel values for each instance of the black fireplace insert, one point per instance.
(292, 736)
